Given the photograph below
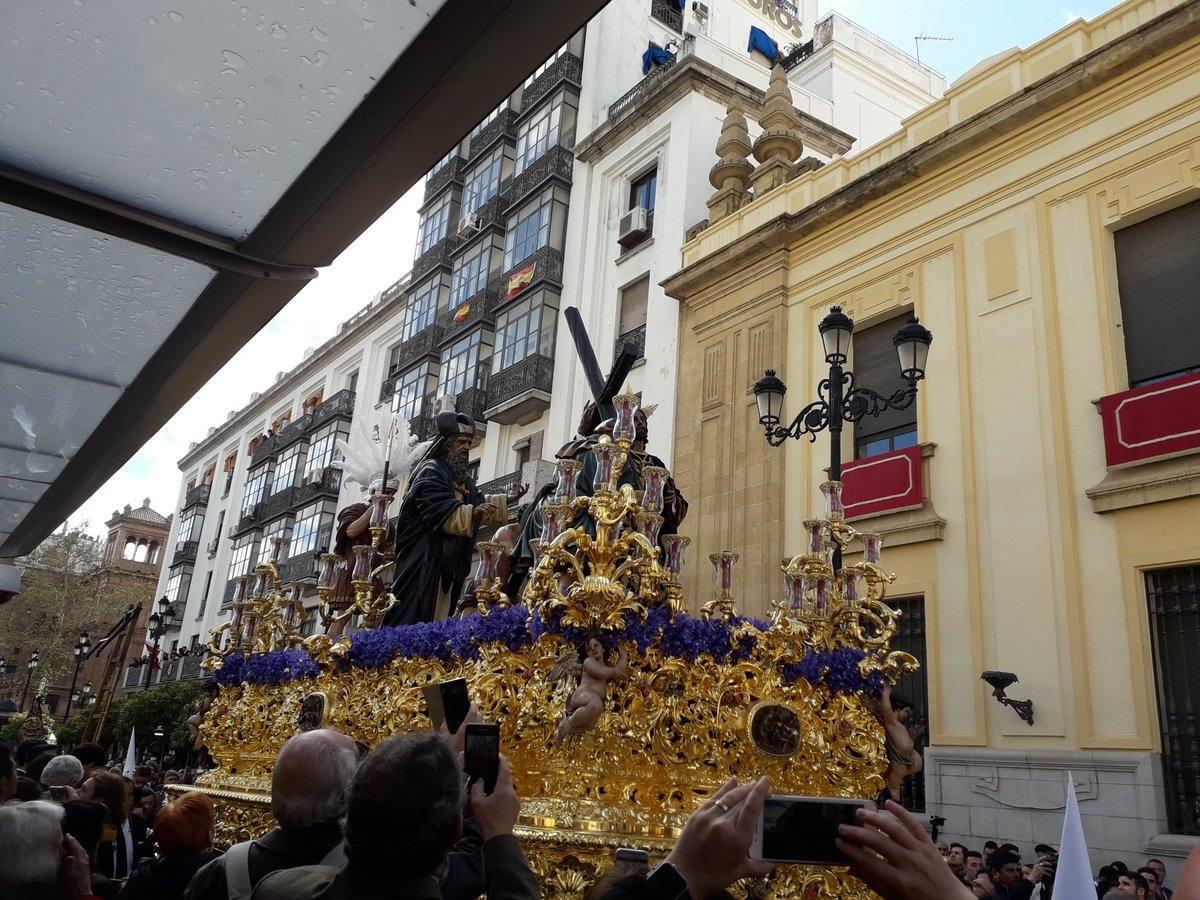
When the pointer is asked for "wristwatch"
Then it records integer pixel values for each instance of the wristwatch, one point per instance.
(669, 882)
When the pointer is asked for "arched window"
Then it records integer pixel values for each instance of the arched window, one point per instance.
(130, 547)
(154, 551)
(141, 551)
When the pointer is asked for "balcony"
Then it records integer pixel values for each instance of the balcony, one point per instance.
(134, 676)
(197, 496)
(545, 264)
(437, 255)
(437, 180)
(568, 68)
(1151, 444)
(340, 404)
(667, 12)
(635, 339)
(327, 485)
(424, 344)
(473, 402)
(302, 565)
(633, 97)
(480, 307)
(521, 392)
(892, 490)
(265, 450)
(293, 431)
(491, 213)
(557, 162)
(192, 666)
(274, 506)
(503, 126)
(185, 552)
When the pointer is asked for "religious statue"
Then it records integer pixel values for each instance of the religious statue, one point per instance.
(439, 516)
(903, 758)
(586, 704)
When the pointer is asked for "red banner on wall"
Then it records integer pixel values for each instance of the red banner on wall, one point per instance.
(888, 482)
(1154, 420)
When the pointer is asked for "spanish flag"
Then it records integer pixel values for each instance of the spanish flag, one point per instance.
(519, 280)
(460, 314)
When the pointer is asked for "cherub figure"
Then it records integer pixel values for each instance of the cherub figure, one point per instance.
(586, 704)
(903, 758)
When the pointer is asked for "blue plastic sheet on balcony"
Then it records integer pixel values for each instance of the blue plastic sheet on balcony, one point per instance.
(655, 56)
(762, 42)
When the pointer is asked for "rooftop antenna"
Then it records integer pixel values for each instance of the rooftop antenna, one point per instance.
(928, 37)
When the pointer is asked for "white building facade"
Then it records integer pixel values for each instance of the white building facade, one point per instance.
(578, 190)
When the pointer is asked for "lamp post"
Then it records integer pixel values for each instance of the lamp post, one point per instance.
(159, 621)
(160, 735)
(839, 399)
(30, 666)
(83, 649)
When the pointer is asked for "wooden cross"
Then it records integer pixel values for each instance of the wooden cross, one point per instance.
(603, 389)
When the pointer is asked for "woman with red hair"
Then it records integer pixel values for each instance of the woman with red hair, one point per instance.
(183, 830)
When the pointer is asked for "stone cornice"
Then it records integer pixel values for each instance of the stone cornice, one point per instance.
(1103, 65)
(694, 74)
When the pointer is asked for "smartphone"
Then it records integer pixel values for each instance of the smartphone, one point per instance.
(804, 829)
(447, 702)
(631, 861)
(58, 793)
(481, 754)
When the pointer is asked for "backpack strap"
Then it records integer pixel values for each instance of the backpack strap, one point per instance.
(237, 871)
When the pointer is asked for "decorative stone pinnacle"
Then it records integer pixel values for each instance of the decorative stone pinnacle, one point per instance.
(733, 167)
(780, 138)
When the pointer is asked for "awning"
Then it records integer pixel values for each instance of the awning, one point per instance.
(171, 175)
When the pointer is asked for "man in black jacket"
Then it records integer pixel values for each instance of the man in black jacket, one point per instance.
(404, 816)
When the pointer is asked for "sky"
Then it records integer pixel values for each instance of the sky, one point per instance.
(979, 29)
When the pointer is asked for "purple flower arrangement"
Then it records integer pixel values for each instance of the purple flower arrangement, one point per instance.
(452, 640)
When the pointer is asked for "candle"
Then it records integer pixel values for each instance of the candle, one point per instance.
(673, 547)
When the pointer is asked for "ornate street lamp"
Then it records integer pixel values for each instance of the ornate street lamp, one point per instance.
(158, 623)
(840, 400)
(83, 649)
(30, 666)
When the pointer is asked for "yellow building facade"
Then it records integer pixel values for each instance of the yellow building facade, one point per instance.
(1000, 215)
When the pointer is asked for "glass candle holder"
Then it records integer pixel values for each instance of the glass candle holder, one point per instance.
(872, 547)
(362, 563)
(249, 625)
(815, 542)
(723, 564)
(262, 583)
(554, 519)
(489, 561)
(835, 511)
(673, 547)
(822, 594)
(796, 590)
(235, 627)
(294, 603)
(623, 424)
(565, 474)
(605, 453)
(648, 525)
(243, 588)
(379, 506)
(329, 563)
(850, 581)
(656, 481)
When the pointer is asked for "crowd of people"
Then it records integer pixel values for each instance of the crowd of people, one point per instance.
(999, 871)
(402, 821)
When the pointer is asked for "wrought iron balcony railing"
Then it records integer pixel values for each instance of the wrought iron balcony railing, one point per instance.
(265, 450)
(557, 162)
(437, 255)
(436, 180)
(480, 307)
(302, 565)
(667, 12)
(340, 404)
(185, 552)
(423, 344)
(328, 484)
(635, 338)
(293, 431)
(547, 266)
(503, 126)
(533, 373)
(197, 496)
(649, 83)
(473, 402)
(568, 68)
(501, 485)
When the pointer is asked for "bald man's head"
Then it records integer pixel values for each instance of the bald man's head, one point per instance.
(312, 778)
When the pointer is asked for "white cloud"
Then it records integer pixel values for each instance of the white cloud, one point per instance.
(379, 256)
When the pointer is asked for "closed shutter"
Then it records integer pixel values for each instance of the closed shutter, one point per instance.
(877, 367)
(1158, 278)
(633, 305)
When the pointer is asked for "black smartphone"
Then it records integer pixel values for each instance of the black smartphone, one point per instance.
(804, 829)
(58, 793)
(631, 861)
(481, 754)
(447, 702)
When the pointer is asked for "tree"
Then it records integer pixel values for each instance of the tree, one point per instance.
(64, 591)
(10, 731)
(168, 705)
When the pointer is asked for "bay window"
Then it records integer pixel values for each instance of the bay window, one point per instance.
(552, 123)
(309, 522)
(277, 529)
(434, 223)
(484, 178)
(257, 481)
(322, 449)
(411, 391)
(243, 554)
(460, 369)
(471, 271)
(525, 329)
(285, 468)
(538, 223)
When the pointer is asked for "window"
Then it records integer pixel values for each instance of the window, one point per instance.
(544, 66)
(536, 224)
(243, 553)
(633, 306)
(257, 481)
(190, 525)
(322, 450)
(285, 468)
(1158, 268)
(434, 222)
(411, 391)
(419, 313)
(642, 191)
(552, 123)
(277, 529)
(309, 522)
(471, 271)
(203, 605)
(352, 381)
(174, 583)
(230, 465)
(483, 181)
(461, 370)
(312, 402)
(483, 123)
(209, 474)
(522, 456)
(450, 154)
(279, 423)
(876, 367)
(522, 331)
(216, 538)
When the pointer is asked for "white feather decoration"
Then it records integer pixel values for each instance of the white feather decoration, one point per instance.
(362, 455)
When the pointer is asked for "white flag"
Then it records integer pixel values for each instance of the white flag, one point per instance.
(1073, 878)
(130, 758)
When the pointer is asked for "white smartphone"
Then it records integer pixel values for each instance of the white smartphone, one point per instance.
(804, 829)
